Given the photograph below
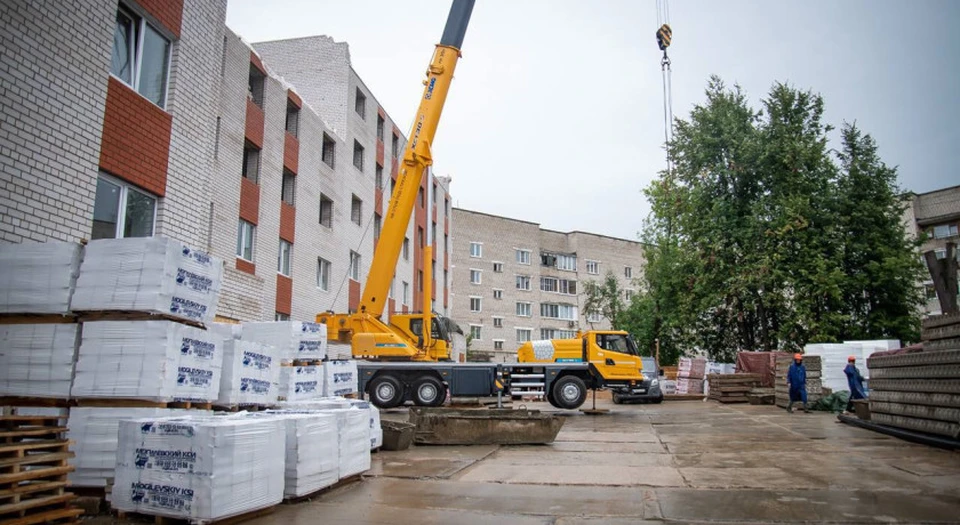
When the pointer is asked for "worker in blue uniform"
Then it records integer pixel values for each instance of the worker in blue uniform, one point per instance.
(854, 381)
(797, 383)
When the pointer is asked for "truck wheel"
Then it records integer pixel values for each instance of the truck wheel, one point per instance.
(617, 400)
(569, 392)
(386, 391)
(428, 391)
(659, 399)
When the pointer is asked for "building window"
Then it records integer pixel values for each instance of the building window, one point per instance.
(251, 163)
(354, 265)
(141, 57)
(360, 104)
(395, 143)
(281, 317)
(120, 210)
(356, 210)
(420, 280)
(380, 127)
(548, 333)
(329, 150)
(498, 322)
(357, 155)
(498, 267)
(326, 211)
(323, 274)
(255, 82)
(523, 335)
(593, 317)
(406, 292)
(523, 282)
(476, 249)
(420, 237)
(379, 176)
(944, 231)
(476, 304)
(283, 260)
(566, 312)
(406, 248)
(393, 186)
(593, 267)
(628, 272)
(288, 189)
(377, 225)
(548, 259)
(523, 256)
(940, 253)
(498, 344)
(422, 198)
(475, 332)
(567, 262)
(474, 276)
(930, 291)
(245, 237)
(524, 309)
(293, 119)
(567, 287)
(497, 293)
(548, 284)
(446, 207)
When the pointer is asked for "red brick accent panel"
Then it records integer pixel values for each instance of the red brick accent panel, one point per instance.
(257, 63)
(249, 200)
(354, 296)
(378, 203)
(288, 215)
(167, 12)
(284, 294)
(291, 152)
(405, 309)
(135, 144)
(380, 152)
(246, 266)
(293, 97)
(254, 124)
(392, 304)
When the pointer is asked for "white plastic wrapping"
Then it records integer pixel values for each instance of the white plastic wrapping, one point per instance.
(155, 360)
(312, 451)
(301, 383)
(38, 278)
(36, 360)
(376, 432)
(293, 339)
(151, 274)
(340, 378)
(323, 403)
(93, 431)
(251, 374)
(199, 468)
(354, 426)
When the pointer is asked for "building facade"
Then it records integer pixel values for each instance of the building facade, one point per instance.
(936, 216)
(151, 117)
(514, 281)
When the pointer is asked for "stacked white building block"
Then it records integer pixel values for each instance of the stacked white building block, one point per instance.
(38, 278)
(251, 374)
(294, 340)
(301, 383)
(690, 374)
(312, 451)
(199, 468)
(340, 378)
(149, 274)
(833, 358)
(36, 360)
(93, 432)
(376, 431)
(152, 360)
(354, 428)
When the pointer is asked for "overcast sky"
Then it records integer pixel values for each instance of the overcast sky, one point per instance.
(556, 115)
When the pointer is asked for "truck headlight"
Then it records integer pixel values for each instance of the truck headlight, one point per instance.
(655, 382)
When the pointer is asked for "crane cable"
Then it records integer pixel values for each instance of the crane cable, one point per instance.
(664, 36)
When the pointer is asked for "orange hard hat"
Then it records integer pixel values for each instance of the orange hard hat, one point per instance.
(851, 359)
(797, 356)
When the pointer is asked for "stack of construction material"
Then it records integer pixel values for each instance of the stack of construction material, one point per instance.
(148, 360)
(251, 374)
(301, 382)
(354, 427)
(376, 431)
(761, 395)
(199, 468)
(296, 341)
(36, 360)
(732, 388)
(833, 359)
(312, 450)
(921, 390)
(690, 374)
(340, 378)
(150, 274)
(38, 278)
(814, 386)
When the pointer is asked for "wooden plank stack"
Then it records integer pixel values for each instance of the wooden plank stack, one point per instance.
(33, 471)
(921, 390)
(732, 388)
(814, 386)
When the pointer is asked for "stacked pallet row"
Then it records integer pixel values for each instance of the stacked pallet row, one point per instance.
(732, 388)
(921, 390)
(690, 374)
(814, 387)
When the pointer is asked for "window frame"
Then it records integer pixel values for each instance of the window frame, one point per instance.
(293, 110)
(324, 267)
(358, 154)
(523, 279)
(478, 335)
(498, 344)
(381, 124)
(478, 253)
(522, 254)
(360, 104)
(356, 210)
(529, 334)
(291, 185)
(595, 265)
(526, 306)
(628, 272)
(329, 222)
(241, 237)
(140, 22)
(497, 321)
(478, 273)
(285, 270)
(332, 143)
(125, 188)
(497, 267)
(479, 303)
(354, 269)
(498, 294)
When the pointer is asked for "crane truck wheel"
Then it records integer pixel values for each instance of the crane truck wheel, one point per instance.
(428, 391)
(617, 400)
(386, 391)
(569, 392)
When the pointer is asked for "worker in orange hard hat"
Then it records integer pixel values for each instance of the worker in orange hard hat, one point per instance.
(797, 383)
(854, 381)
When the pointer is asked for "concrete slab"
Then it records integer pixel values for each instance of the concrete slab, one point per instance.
(521, 456)
(756, 477)
(385, 515)
(427, 462)
(605, 475)
(608, 437)
(582, 446)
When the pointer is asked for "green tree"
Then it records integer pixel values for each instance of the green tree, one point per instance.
(605, 298)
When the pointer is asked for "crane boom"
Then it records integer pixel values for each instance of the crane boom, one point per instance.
(416, 157)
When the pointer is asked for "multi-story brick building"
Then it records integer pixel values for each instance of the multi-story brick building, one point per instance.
(152, 118)
(514, 281)
(936, 214)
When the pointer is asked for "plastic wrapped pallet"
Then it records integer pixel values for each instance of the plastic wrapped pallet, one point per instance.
(154, 360)
(689, 386)
(340, 378)
(301, 383)
(376, 432)
(149, 274)
(322, 403)
(93, 432)
(694, 368)
(36, 360)
(199, 468)
(669, 386)
(38, 278)
(295, 340)
(354, 430)
(251, 374)
(312, 450)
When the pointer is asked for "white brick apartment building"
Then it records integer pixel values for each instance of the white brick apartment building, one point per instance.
(150, 117)
(937, 214)
(514, 281)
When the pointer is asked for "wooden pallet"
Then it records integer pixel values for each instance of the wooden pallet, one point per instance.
(125, 315)
(34, 457)
(37, 318)
(242, 408)
(22, 401)
(110, 402)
